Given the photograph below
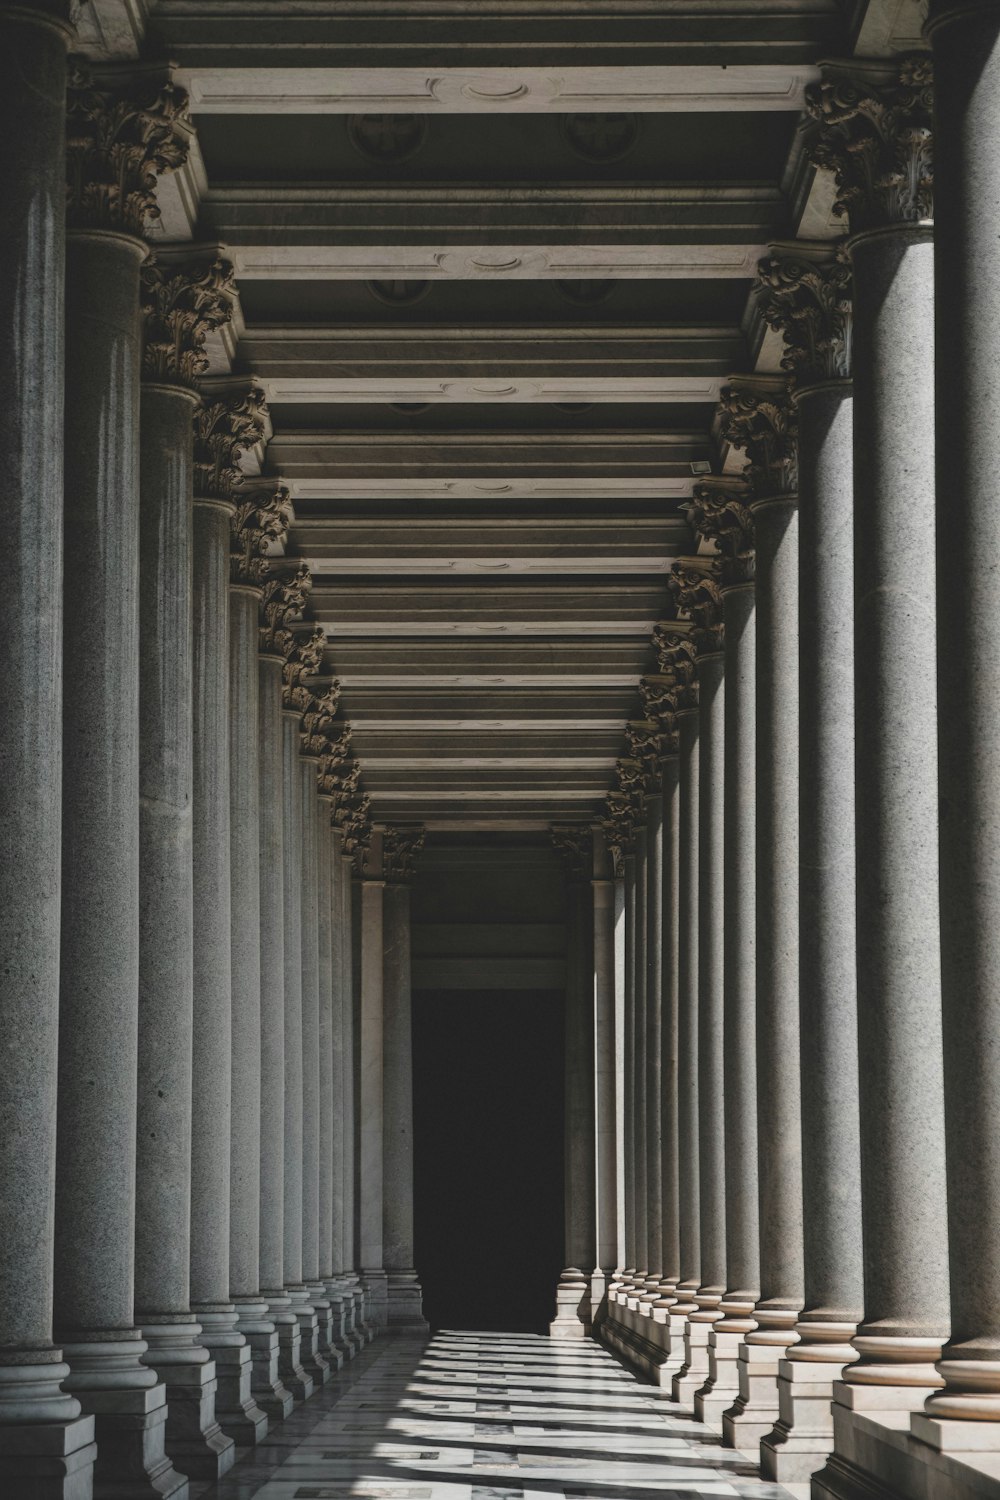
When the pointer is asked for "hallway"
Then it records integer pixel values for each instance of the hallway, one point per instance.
(489, 1416)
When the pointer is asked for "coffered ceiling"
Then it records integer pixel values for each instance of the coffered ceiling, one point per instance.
(494, 260)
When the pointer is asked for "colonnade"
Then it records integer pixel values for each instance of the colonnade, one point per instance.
(192, 1235)
(806, 837)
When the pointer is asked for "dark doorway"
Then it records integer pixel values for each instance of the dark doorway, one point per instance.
(488, 1148)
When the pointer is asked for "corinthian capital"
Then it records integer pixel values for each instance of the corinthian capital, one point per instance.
(223, 431)
(118, 141)
(401, 843)
(758, 417)
(303, 653)
(352, 816)
(181, 304)
(677, 652)
(574, 842)
(719, 513)
(694, 585)
(875, 134)
(648, 743)
(661, 699)
(619, 826)
(258, 528)
(334, 761)
(282, 601)
(804, 292)
(318, 721)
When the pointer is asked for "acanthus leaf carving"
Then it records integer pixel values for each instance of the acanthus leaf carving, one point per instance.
(283, 600)
(223, 431)
(694, 586)
(181, 305)
(875, 133)
(574, 842)
(677, 653)
(758, 417)
(401, 843)
(303, 652)
(260, 522)
(118, 141)
(719, 513)
(619, 827)
(352, 819)
(804, 291)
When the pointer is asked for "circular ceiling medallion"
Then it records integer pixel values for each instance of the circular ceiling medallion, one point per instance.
(387, 138)
(586, 289)
(399, 293)
(601, 138)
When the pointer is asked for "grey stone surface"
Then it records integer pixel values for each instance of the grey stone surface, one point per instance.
(329, 1103)
(99, 978)
(966, 43)
(238, 1415)
(310, 1024)
(688, 1159)
(397, 1110)
(370, 1092)
(670, 1015)
(899, 983)
(269, 1390)
(638, 931)
(653, 1041)
(32, 181)
(630, 1064)
(194, 1440)
(740, 1005)
(605, 1076)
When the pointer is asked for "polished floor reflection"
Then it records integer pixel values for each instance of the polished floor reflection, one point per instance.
(488, 1416)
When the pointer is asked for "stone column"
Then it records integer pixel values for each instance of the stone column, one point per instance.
(874, 130)
(329, 1095)
(680, 658)
(618, 835)
(315, 1285)
(641, 842)
(46, 1446)
(966, 40)
(372, 1096)
(760, 419)
(355, 836)
(573, 1317)
(400, 846)
(628, 891)
(652, 747)
(720, 513)
(339, 1285)
(605, 1084)
(697, 595)
(272, 1387)
(181, 302)
(99, 959)
(229, 422)
(303, 648)
(805, 293)
(261, 519)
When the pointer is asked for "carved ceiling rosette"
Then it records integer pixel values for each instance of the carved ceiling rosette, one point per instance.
(804, 291)
(283, 600)
(259, 524)
(401, 843)
(574, 842)
(874, 131)
(118, 141)
(758, 416)
(694, 585)
(223, 431)
(181, 304)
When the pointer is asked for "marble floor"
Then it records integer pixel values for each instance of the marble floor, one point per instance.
(488, 1416)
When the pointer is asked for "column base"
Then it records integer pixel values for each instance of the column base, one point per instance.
(326, 1346)
(572, 1319)
(195, 1443)
(877, 1457)
(375, 1287)
(47, 1447)
(236, 1412)
(340, 1301)
(261, 1333)
(693, 1374)
(753, 1414)
(405, 1303)
(802, 1438)
(722, 1387)
(129, 1408)
(293, 1377)
(311, 1360)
